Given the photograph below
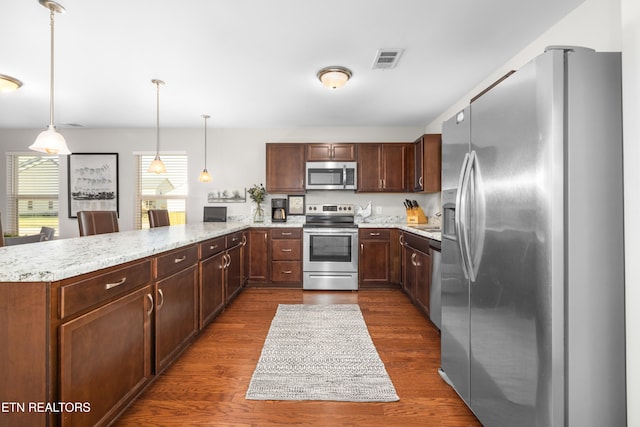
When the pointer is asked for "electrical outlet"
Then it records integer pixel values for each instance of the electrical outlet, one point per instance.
(378, 210)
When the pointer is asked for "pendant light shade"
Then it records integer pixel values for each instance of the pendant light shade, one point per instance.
(204, 175)
(50, 141)
(156, 165)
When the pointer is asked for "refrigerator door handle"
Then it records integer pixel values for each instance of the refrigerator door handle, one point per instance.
(478, 212)
(464, 206)
(460, 224)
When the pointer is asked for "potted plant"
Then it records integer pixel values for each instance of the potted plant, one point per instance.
(257, 194)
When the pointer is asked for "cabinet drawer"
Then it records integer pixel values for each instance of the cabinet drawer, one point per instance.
(78, 296)
(286, 233)
(374, 234)
(174, 261)
(286, 271)
(285, 250)
(233, 239)
(417, 242)
(211, 247)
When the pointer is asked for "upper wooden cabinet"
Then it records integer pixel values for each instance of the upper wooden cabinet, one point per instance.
(383, 167)
(428, 161)
(285, 168)
(331, 152)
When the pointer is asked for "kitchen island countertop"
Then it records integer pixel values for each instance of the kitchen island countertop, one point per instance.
(64, 258)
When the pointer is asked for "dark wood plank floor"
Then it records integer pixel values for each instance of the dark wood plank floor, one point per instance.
(207, 385)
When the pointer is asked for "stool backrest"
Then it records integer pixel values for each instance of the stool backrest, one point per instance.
(158, 218)
(97, 222)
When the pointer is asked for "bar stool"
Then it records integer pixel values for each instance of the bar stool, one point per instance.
(97, 222)
(158, 218)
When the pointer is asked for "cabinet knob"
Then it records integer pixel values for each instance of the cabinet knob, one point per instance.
(178, 260)
(286, 249)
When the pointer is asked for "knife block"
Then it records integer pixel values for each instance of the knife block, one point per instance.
(416, 216)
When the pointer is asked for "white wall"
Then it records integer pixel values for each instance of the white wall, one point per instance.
(594, 24)
(235, 158)
(604, 25)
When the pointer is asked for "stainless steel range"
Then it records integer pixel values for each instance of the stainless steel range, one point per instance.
(330, 239)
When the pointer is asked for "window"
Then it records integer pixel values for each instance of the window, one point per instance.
(164, 191)
(32, 193)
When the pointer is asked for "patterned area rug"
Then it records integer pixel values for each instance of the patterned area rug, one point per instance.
(320, 352)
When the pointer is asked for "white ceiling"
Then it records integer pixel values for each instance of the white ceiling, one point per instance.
(253, 63)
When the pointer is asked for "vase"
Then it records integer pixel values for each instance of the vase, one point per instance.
(258, 215)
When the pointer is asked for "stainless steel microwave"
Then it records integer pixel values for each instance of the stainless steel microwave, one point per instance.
(331, 176)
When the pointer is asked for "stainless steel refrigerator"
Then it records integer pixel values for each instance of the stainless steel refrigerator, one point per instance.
(533, 325)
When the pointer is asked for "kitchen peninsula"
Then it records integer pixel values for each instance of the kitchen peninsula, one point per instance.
(89, 322)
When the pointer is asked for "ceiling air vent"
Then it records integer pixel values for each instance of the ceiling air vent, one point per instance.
(387, 58)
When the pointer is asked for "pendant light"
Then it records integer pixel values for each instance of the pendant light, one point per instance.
(50, 141)
(204, 175)
(156, 165)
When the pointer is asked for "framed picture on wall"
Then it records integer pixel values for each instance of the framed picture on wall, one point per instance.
(295, 205)
(93, 182)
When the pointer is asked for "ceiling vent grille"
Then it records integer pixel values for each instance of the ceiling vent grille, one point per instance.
(387, 58)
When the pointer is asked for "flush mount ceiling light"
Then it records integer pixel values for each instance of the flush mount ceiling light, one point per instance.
(8, 83)
(334, 77)
(50, 141)
(204, 175)
(156, 165)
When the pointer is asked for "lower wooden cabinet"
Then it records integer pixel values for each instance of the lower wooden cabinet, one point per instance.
(417, 270)
(257, 255)
(233, 270)
(286, 256)
(374, 258)
(212, 289)
(274, 257)
(176, 297)
(105, 358)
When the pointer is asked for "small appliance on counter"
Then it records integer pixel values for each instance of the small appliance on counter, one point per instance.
(278, 210)
(215, 214)
(415, 214)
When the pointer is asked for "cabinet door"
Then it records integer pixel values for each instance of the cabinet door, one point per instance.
(285, 168)
(432, 163)
(409, 273)
(374, 263)
(318, 152)
(369, 173)
(233, 273)
(343, 152)
(331, 152)
(394, 167)
(211, 288)
(105, 358)
(418, 178)
(422, 267)
(176, 314)
(258, 255)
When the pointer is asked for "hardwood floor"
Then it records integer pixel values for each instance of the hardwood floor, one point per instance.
(207, 384)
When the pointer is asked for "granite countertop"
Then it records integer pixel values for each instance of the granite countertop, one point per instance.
(63, 258)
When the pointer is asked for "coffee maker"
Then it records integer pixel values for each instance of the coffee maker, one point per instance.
(278, 210)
